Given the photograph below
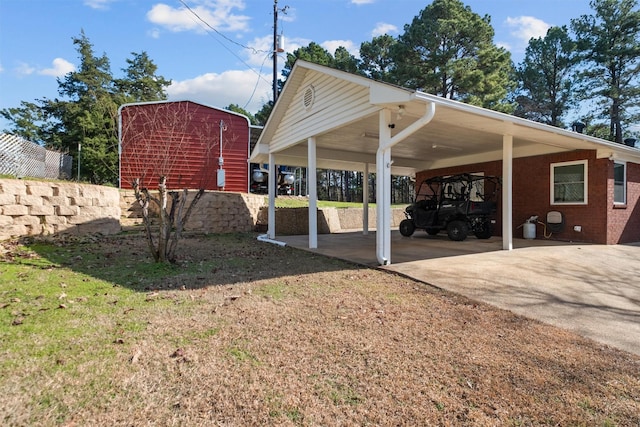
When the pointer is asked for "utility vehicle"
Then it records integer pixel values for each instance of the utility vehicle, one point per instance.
(458, 204)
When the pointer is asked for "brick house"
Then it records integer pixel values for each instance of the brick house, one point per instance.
(326, 118)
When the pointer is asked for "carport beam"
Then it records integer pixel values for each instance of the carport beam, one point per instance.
(507, 192)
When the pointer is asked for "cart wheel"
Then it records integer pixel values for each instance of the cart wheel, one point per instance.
(457, 230)
(485, 231)
(406, 227)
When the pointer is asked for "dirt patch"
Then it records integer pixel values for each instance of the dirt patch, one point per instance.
(266, 335)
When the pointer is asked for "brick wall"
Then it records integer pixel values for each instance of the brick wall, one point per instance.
(41, 208)
(624, 220)
(600, 221)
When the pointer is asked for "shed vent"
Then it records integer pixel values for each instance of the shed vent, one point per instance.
(309, 97)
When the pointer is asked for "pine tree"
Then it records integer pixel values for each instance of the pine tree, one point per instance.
(609, 45)
(545, 92)
(375, 58)
(83, 121)
(448, 51)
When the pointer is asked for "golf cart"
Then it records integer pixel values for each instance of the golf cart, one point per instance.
(458, 204)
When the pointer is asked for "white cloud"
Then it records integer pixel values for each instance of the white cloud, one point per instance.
(220, 90)
(332, 45)
(362, 1)
(60, 68)
(24, 69)
(524, 28)
(1, 68)
(98, 4)
(262, 48)
(154, 33)
(218, 14)
(383, 28)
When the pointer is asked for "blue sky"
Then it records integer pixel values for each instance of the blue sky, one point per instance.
(231, 64)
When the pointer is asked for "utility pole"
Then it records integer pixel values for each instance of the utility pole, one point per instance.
(275, 51)
(276, 48)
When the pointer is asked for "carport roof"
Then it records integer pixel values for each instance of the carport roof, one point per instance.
(342, 112)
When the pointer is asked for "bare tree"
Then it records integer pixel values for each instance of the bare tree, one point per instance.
(168, 145)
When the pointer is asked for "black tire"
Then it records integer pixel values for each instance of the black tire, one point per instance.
(432, 231)
(457, 230)
(485, 231)
(406, 227)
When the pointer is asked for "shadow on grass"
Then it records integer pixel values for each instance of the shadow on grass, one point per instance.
(124, 259)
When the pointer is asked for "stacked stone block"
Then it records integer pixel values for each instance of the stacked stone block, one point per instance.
(295, 221)
(44, 208)
(215, 212)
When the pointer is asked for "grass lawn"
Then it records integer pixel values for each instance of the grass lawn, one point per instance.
(244, 333)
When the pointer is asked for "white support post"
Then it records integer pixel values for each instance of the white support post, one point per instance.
(271, 227)
(313, 193)
(365, 200)
(383, 190)
(507, 192)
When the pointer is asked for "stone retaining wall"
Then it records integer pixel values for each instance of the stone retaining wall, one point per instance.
(294, 221)
(215, 212)
(43, 207)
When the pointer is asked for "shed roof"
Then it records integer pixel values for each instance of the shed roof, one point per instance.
(341, 110)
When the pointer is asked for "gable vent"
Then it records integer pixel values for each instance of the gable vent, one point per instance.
(309, 97)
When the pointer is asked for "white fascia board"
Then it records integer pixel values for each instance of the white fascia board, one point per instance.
(386, 94)
(625, 154)
(260, 153)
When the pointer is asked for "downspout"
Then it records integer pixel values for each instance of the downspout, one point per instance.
(383, 162)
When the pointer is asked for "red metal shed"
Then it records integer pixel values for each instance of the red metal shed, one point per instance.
(181, 140)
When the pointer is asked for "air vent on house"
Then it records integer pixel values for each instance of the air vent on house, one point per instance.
(309, 97)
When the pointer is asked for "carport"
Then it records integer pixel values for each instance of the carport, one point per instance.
(326, 118)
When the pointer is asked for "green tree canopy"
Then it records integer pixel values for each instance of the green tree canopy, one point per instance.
(375, 58)
(448, 51)
(140, 83)
(545, 92)
(609, 45)
(83, 121)
(238, 109)
(313, 52)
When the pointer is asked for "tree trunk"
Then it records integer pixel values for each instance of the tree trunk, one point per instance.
(165, 223)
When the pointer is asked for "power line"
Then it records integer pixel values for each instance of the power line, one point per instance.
(256, 85)
(253, 50)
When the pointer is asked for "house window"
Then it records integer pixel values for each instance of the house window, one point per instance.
(619, 183)
(569, 183)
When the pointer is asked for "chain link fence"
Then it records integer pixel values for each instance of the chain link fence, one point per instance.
(22, 158)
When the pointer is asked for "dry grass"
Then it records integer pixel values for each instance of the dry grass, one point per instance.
(247, 333)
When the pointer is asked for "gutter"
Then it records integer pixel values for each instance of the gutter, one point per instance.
(384, 150)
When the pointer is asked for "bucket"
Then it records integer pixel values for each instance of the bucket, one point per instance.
(529, 230)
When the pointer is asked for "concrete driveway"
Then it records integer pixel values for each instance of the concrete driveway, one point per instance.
(593, 290)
